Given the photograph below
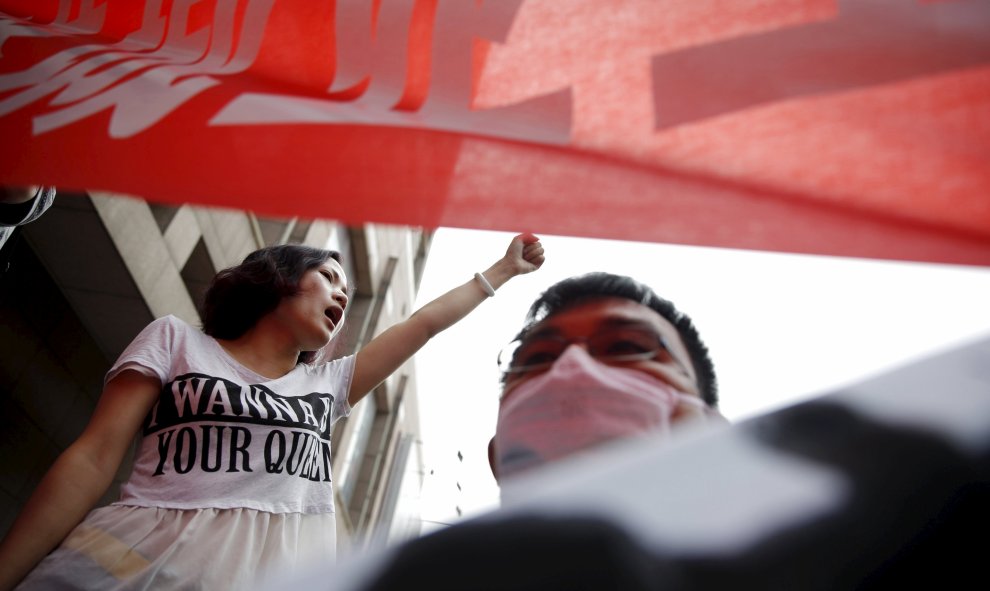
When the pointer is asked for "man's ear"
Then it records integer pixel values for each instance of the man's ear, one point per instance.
(491, 457)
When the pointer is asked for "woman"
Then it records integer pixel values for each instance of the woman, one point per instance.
(232, 475)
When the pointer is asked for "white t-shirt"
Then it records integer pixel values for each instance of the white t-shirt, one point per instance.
(222, 436)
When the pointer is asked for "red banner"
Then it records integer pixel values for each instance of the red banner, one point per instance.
(845, 127)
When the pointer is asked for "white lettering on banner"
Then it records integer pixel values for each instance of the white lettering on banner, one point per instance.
(378, 60)
(153, 71)
(870, 42)
(10, 28)
(139, 78)
(88, 19)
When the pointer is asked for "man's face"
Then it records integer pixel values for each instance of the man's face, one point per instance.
(545, 422)
(597, 316)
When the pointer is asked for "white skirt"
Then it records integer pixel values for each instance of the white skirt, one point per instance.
(125, 547)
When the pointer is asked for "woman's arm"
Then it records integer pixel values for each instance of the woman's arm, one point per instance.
(79, 476)
(389, 350)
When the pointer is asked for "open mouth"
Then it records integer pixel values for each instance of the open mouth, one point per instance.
(334, 314)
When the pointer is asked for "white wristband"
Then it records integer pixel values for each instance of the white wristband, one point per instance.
(485, 285)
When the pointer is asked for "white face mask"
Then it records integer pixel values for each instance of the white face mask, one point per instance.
(579, 403)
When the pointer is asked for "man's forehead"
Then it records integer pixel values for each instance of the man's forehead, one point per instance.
(592, 315)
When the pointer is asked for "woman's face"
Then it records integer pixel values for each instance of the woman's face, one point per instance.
(314, 315)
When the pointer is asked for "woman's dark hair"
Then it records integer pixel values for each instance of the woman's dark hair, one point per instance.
(574, 290)
(239, 296)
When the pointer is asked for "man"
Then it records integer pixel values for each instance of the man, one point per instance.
(601, 357)
(880, 485)
(20, 205)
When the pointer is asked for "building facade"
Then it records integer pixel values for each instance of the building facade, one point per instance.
(79, 283)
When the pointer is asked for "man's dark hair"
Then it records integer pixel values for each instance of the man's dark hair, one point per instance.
(575, 290)
(239, 296)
